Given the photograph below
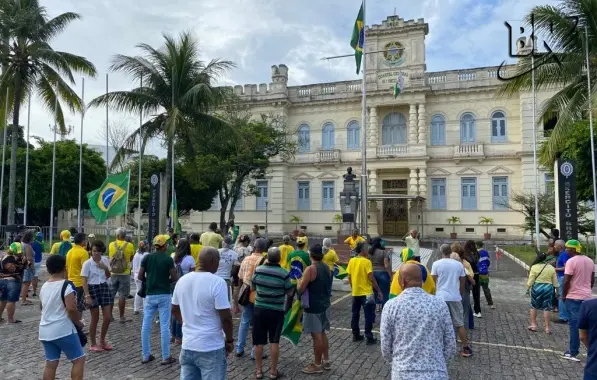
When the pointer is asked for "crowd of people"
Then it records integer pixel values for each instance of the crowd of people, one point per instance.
(192, 285)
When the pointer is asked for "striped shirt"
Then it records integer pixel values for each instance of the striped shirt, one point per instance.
(271, 282)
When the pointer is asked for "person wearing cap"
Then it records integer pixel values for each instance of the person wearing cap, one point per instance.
(298, 260)
(285, 250)
(136, 264)
(121, 280)
(228, 258)
(353, 240)
(579, 278)
(90, 240)
(38, 256)
(408, 257)
(157, 270)
(10, 281)
(62, 247)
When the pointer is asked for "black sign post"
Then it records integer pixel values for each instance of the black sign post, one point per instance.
(154, 209)
(566, 203)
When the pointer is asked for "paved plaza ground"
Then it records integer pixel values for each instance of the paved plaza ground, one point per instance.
(503, 347)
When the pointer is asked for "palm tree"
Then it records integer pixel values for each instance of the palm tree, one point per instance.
(32, 66)
(565, 69)
(177, 90)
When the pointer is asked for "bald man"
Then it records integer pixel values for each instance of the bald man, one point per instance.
(416, 330)
(200, 299)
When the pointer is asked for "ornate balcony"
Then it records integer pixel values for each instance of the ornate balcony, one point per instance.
(328, 155)
(390, 151)
(469, 151)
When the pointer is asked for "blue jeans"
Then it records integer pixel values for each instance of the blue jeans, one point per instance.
(10, 290)
(573, 309)
(369, 308)
(561, 305)
(383, 280)
(243, 327)
(156, 303)
(203, 365)
(176, 328)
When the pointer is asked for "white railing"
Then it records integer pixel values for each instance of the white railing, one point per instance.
(354, 87)
(392, 150)
(494, 73)
(469, 75)
(328, 155)
(329, 89)
(436, 79)
(468, 150)
(305, 91)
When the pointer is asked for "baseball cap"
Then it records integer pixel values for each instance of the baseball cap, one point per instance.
(65, 235)
(574, 244)
(16, 248)
(301, 240)
(91, 236)
(39, 235)
(160, 240)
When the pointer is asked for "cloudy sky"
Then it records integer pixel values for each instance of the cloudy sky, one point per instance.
(256, 34)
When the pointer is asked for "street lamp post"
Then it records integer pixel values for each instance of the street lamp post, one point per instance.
(266, 205)
(56, 131)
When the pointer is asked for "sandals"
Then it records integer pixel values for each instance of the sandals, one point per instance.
(150, 358)
(26, 303)
(548, 331)
(169, 361)
(313, 369)
(532, 328)
(107, 346)
(96, 348)
(279, 375)
(15, 321)
(259, 375)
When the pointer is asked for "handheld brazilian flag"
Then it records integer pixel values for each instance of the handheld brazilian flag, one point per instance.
(111, 198)
(173, 220)
(357, 41)
(340, 271)
(293, 327)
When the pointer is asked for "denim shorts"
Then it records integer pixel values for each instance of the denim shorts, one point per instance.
(37, 269)
(70, 345)
(28, 274)
(10, 290)
(121, 285)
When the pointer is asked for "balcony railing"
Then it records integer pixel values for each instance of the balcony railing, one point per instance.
(328, 155)
(468, 151)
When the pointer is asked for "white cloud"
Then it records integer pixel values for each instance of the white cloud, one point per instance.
(259, 33)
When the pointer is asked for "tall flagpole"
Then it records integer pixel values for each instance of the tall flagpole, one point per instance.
(107, 162)
(591, 131)
(3, 154)
(364, 191)
(79, 218)
(53, 171)
(536, 171)
(27, 162)
(140, 164)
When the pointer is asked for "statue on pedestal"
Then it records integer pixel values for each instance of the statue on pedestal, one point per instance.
(349, 177)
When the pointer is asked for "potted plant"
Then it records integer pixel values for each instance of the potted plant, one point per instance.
(296, 220)
(453, 220)
(338, 220)
(485, 220)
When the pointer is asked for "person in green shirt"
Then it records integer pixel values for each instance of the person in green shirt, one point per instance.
(157, 271)
(298, 260)
(233, 230)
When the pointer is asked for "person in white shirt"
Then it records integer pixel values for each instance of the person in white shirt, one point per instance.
(95, 274)
(412, 242)
(59, 315)
(136, 264)
(228, 258)
(200, 302)
(449, 276)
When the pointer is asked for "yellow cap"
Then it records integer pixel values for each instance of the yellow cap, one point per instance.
(160, 240)
(65, 235)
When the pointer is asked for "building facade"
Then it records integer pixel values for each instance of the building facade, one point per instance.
(447, 138)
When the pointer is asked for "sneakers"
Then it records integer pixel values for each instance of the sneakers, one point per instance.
(358, 338)
(466, 352)
(566, 355)
(371, 341)
(477, 315)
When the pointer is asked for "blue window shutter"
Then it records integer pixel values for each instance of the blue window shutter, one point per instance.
(303, 200)
(304, 139)
(353, 132)
(500, 193)
(438, 130)
(328, 195)
(328, 136)
(262, 194)
(438, 193)
(469, 193)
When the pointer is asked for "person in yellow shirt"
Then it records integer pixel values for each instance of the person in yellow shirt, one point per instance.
(285, 249)
(63, 246)
(121, 279)
(211, 238)
(74, 264)
(330, 257)
(407, 256)
(353, 240)
(303, 234)
(196, 247)
(362, 282)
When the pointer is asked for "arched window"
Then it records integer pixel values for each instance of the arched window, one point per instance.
(438, 130)
(393, 129)
(354, 138)
(468, 128)
(327, 140)
(498, 127)
(304, 139)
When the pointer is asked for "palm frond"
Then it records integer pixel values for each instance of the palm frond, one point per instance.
(57, 25)
(46, 93)
(66, 93)
(134, 101)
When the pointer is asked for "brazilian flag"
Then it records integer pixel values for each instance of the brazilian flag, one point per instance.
(357, 41)
(340, 271)
(111, 198)
(293, 326)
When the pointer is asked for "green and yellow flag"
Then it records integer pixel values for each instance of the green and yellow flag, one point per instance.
(293, 327)
(357, 41)
(173, 220)
(111, 198)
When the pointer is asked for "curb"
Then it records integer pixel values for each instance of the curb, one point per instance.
(516, 260)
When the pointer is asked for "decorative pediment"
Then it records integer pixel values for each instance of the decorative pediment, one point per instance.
(439, 173)
(303, 176)
(500, 170)
(469, 171)
(328, 175)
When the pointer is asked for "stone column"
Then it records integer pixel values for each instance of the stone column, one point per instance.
(422, 125)
(413, 187)
(412, 125)
(423, 182)
(373, 128)
(373, 181)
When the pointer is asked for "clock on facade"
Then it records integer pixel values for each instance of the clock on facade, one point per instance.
(393, 54)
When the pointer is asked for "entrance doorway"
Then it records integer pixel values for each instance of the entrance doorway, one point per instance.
(395, 211)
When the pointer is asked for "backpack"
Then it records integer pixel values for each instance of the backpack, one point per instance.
(118, 262)
(80, 333)
(65, 246)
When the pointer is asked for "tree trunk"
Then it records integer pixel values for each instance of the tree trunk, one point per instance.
(12, 181)
(169, 172)
(224, 199)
